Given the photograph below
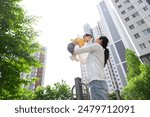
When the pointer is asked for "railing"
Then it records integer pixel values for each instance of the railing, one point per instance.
(81, 90)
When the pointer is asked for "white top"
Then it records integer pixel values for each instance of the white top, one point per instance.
(83, 56)
(94, 61)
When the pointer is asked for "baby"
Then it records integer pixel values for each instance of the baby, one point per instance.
(79, 41)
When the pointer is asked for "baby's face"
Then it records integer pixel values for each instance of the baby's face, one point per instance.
(87, 39)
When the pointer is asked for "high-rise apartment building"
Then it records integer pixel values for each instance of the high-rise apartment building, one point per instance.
(135, 17)
(116, 67)
(41, 71)
(87, 29)
(111, 74)
(97, 31)
(38, 73)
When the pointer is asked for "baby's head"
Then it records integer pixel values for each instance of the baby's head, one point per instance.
(87, 37)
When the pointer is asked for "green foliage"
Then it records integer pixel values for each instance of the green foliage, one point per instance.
(17, 46)
(60, 91)
(133, 64)
(25, 94)
(138, 87)
(112, 96)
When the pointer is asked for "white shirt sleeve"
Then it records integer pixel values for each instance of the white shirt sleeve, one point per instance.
(86, 49)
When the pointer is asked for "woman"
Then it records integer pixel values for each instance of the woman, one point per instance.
(98, 55)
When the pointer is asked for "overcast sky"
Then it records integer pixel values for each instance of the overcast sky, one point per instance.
(60, 21)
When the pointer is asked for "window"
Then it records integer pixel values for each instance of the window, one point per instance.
(140, 1)
(145, 8)
(135, 14)
(126, 1)
(131, 27)
(119, 6)
(148, 58)
(123, 12)
(142, 45)
(127, 19)
(116, 1)
(130, 8)
(140, 22)
(137, 35)
(146, 31)
(148, 1)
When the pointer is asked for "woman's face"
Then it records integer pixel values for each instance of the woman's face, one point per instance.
(99, 41)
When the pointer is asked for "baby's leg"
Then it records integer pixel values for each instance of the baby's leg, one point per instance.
(75, 57)
(72, 58)
(70, 48)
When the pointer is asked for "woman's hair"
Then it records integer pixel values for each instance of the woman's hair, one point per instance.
(104, 45)
(87, 35)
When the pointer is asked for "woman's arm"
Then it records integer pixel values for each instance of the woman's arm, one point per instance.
(86, 49)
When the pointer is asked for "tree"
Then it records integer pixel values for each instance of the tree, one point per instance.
(60, 91)
(138, 87)
(112, 96)
(133, 64)
(17, 46)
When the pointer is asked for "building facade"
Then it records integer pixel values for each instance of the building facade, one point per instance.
(87, 29)
(116, 69)
(111, 74)
(97, 31)
(41, 71)
(135, 17)
(37, 73)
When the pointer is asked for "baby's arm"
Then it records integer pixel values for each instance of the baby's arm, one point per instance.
(81, 42)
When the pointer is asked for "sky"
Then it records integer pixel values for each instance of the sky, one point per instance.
(60, 21)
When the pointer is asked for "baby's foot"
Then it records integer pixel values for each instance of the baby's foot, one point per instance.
(72, 58)
(76, 59)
